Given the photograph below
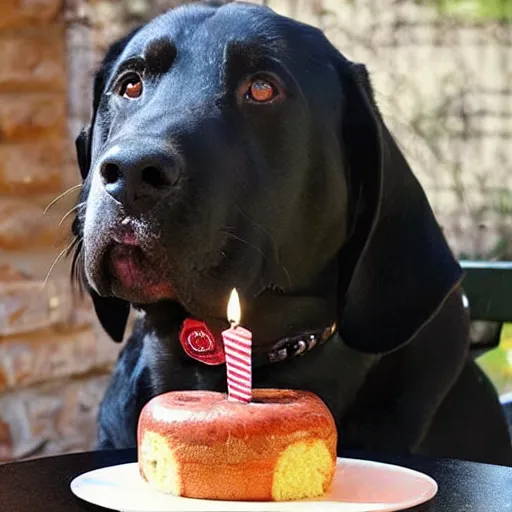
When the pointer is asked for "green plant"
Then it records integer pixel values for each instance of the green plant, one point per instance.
(475, 10)
(498, 362)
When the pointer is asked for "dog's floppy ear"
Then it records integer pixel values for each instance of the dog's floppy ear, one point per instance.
(111, 312)
(396, 269)
(82, 151)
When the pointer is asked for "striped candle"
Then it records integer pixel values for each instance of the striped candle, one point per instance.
(237, 348)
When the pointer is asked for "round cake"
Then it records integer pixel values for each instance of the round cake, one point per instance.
(280, 446)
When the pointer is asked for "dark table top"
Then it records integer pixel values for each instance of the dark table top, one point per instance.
(42, 485)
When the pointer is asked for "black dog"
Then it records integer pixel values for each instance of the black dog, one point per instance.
(232, 147)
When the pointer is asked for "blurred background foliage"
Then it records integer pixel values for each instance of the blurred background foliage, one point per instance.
(476, 10)
(498, 362)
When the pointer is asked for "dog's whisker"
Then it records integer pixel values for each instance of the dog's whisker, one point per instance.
(79, 205)
(56, 260)
(287, 274)
(61, 196)
(236, 237)
(258, 225)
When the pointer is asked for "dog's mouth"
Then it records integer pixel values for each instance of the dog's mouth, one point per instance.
(134, 276)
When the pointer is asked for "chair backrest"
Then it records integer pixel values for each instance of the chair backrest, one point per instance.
(488, 289)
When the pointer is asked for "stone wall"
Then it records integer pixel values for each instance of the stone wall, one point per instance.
(54, 360)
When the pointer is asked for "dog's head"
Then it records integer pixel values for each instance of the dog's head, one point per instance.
(232, 147)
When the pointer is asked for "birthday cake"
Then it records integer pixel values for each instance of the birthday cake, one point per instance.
(199, 444)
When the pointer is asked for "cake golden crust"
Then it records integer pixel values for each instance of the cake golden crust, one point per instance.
(199, 444)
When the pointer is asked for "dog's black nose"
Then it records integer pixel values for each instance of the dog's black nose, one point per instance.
(138, 177)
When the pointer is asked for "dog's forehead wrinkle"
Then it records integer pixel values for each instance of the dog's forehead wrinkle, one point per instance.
(251, 31)
(160, 54)
(194, 25)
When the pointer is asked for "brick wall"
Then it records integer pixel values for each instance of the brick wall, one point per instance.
(54, 360)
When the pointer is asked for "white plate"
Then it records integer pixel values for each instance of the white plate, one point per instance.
(359, 486)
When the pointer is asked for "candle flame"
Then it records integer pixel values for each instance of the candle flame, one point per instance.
(234, 312)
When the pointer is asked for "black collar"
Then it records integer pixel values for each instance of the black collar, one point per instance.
(200, 343)
(294, 346)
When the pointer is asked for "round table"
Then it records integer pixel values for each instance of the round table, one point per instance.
(43, 484)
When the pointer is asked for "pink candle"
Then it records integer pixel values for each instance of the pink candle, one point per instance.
(237, 347)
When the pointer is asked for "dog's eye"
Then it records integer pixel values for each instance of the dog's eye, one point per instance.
(131, 87)
(261, 91)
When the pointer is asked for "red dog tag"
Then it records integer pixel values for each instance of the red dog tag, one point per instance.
(199, 343)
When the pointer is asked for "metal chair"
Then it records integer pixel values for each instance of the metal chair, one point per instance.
(488, 289)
